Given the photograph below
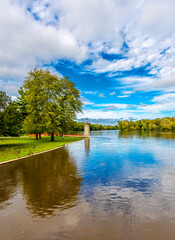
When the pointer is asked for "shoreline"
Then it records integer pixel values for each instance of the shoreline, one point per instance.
(16, 159)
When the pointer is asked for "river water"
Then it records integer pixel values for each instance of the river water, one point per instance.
(112, 186)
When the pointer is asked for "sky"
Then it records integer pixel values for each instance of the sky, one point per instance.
(119, 53)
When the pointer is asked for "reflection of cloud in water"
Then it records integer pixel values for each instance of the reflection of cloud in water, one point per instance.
(129, 176)
(131, 205)
(127, 189)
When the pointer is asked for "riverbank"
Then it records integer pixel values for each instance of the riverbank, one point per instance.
(18, 147)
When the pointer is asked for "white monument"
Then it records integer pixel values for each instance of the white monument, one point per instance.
(86, 129)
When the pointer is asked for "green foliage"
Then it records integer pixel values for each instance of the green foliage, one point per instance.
(32, 98)
(69, 102)
(79, 126)
(10, 116)
(4, 100)
(12, 120)
(22, 103)
(51, 103)
(164, 124)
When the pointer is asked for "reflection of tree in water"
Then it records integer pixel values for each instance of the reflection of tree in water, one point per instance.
(145, 134)
(8, 182)
(50, 181)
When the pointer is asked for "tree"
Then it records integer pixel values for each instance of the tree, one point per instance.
(21, 102)
(4, 100)
(51, 103)
(32, 101)
(12, 120)
(63, 102)
(77, 126)
(10, 116)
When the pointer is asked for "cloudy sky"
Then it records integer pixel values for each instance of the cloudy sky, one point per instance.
(119, 53)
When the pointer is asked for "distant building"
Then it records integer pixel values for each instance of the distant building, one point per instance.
(86, 129)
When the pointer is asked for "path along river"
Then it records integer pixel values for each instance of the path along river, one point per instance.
(112, 186)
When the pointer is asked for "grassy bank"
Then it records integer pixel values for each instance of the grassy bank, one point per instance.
(12, 148)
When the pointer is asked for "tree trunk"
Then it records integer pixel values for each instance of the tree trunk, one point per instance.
(36, 136)
(39, 135)
(52, 137)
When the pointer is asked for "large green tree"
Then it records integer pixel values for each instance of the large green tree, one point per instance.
(51, 103)
(32, 101)
(62, 105)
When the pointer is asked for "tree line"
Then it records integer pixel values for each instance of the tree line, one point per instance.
(159, 124)
(45, 104)
(79, 126)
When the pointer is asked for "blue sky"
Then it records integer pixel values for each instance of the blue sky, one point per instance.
(119, 53)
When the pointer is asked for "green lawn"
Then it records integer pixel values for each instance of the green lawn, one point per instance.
(16, 147)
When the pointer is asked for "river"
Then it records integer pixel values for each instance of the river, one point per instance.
(113, 185)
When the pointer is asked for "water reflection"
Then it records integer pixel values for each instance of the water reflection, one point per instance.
(145, 134)
(116, 185)
(49, 181)
(127, 170)
(8, 184)
(87, 144)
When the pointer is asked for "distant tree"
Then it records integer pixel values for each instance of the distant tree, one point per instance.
(21, 102)
(4, 100)
(10, 116)
(77, 126)
(159, 124)
(12, 120)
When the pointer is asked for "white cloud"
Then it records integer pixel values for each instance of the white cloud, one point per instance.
(143, 104)
(162, 103)
(127, 92)
(123, 96)
(151, 22)
(76, 30)
(9, 87)
(103, 66)
(165, 83)
(101, 95)
(102, 114)
(25, 42)
(112, 93)
(86, 101)
(159, 107)
(164, 97)
(53, 71)
(90, 20)
(90, 92)
(116, 114)
(116, 105)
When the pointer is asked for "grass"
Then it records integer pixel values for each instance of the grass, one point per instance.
(16, 147)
